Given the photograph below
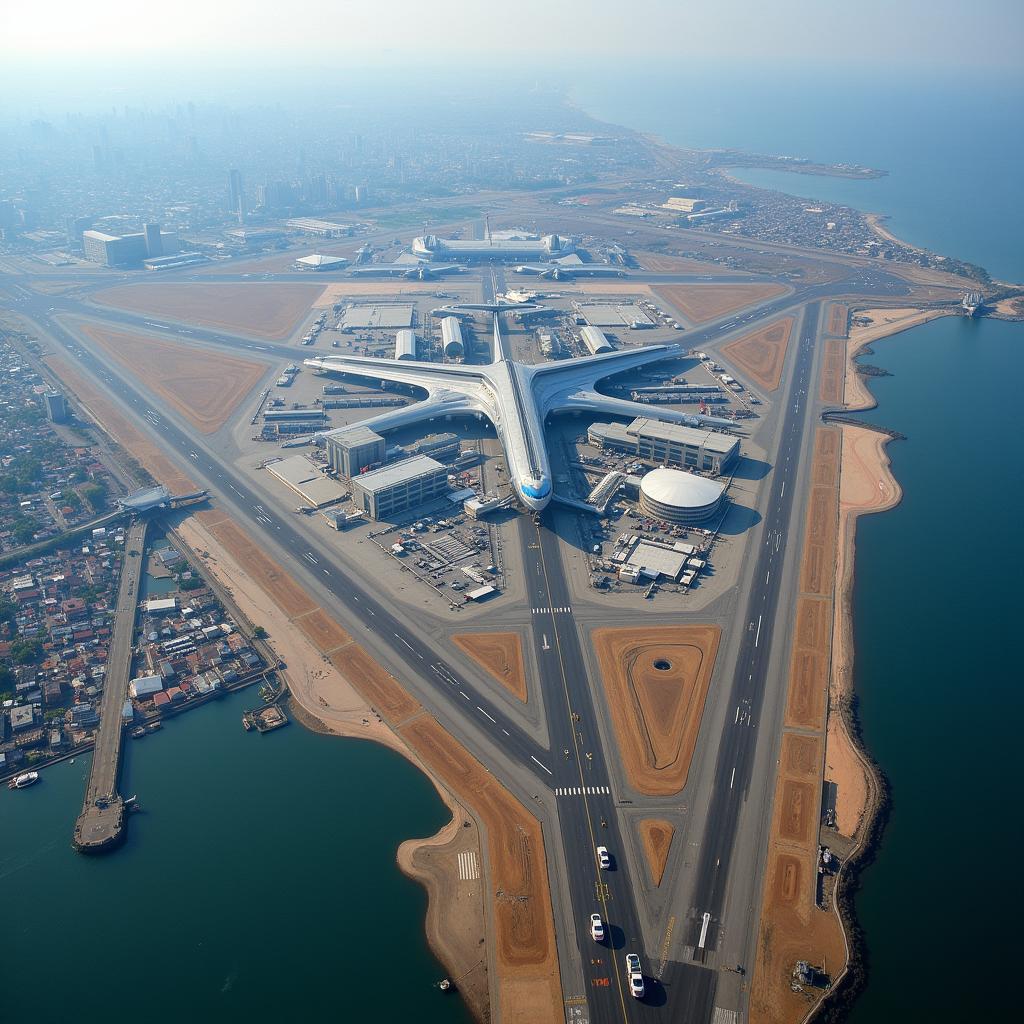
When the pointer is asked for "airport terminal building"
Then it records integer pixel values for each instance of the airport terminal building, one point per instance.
(505, 247)
(668, 444)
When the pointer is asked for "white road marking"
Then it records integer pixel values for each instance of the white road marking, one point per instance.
(535, 761)
(758, 637)
(506, 732)
(469, 868)
(484, 713)
(783, 491)
(704, 931)
(464, 694)
(732, 778)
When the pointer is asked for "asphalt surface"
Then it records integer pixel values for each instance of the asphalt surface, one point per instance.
(684, 991)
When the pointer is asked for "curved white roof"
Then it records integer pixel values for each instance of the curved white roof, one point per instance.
(680, 490)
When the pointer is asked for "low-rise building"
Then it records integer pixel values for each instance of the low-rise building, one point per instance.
(393, 489)
(351, 449)
(668, 444)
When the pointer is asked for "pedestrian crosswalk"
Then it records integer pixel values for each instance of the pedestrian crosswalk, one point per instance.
(551, 611)
(582, 790)
(469, 867)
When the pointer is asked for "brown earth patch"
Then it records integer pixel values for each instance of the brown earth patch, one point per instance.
(109, 416)
(833, 371)
(702, 302)
(817, 571)
(323, 631)
(530, 988)
(656, 681)
(761, 354)
(378, 685)
(801, 756)
(838, 319)
(263, 310)
(501, 654)
(656, 836)
(659, 263)
(205, 387)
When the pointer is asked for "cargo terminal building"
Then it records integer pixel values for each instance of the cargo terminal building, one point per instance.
(668, 444)
(383, 493)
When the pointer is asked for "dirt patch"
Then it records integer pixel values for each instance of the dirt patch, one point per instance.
(702, 302)
(339, 291)
(833, 371)
(818, 566)
(205, 387)
(501, 654)
(530, 988)
(656, 836)
(263, 310)
(656, 681)
(838, 320)
(323, 631)
(108, 415)
(659, 263)
(761, 354)
(456, 919)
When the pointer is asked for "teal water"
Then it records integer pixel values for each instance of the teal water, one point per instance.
(259, 884)
(937, 604)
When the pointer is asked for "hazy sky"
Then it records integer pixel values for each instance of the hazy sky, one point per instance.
(939, 33)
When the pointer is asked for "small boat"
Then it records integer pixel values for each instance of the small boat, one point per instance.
(154, 726)
(24, 780)
(138, 732)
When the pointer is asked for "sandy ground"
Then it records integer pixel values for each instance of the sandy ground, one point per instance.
(761, 354)
(865, 486)
(702, 302)
(1010, 307)
(501, 654)
(205, 387)
(456, 919)
(656, 680)
(656, 836)
(262, 310)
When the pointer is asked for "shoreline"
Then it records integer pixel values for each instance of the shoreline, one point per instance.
(867, 486)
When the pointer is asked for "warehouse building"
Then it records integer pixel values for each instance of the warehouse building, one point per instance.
(595, 340)
(351, 449)
(677, 497)
(668, 444)
(451, 337)
(405, 344)
(384, 493)
(317, 262)
(304, 477)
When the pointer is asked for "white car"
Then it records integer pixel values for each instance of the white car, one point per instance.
(596, 927)
(602, 857)
(636, 978)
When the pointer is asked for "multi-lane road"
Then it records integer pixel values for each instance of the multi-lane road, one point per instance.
(581, 785)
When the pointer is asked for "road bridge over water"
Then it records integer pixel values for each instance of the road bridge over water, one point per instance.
(101, 823)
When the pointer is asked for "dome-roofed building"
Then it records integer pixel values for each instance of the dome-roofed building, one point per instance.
(678, 497)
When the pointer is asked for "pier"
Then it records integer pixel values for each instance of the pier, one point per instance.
(100, 826)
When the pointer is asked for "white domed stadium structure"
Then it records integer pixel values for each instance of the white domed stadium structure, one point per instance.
(678, 497)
